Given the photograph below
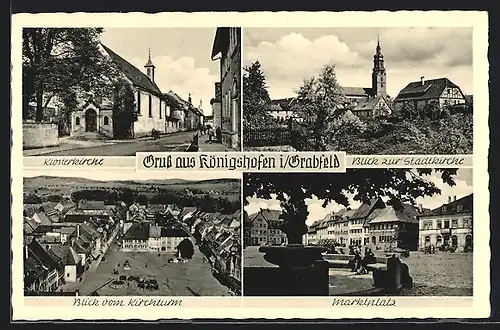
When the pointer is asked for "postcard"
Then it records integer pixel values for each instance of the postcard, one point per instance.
(250, 165)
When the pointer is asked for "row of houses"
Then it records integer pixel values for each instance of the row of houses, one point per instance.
(62, 240)
(219, 235)
(390, 226)
(264, 228)
(374, 101)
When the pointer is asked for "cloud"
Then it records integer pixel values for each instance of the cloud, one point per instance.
(463, 187)
(294, 57)
(410, 53)
(447, 47)
(183, 76)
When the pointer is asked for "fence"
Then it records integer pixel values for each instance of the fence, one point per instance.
(279, 136)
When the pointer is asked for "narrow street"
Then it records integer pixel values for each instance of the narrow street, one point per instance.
(127, 148)
(93, 266)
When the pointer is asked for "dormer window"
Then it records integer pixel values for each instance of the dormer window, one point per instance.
(444, 208)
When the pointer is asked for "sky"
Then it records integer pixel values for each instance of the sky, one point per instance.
(131, 174)
(290, 55)
(182, 57)
(463, 187)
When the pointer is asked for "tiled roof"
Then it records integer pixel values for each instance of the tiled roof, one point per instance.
(156, 209)
(270, 214)
(356, 91)
(138, 231)
(90, 205)
(27, 229)
(44, 221)
(284, 104)
(394, 214)
(465, 203)
(90, 230)
(368, 104)
(82, 245)
(33, 269)
(366, 208)
(31, 223)
(176, 99)
(136, 76)
(187, 210)
(42, 255)
(65, 230)
(431, 89)
(76, 217)
(66, 254)
(173, 232)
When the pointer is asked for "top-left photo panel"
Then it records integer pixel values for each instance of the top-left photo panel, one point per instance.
(119, 91)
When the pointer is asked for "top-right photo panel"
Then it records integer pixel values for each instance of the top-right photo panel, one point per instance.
(365, 91)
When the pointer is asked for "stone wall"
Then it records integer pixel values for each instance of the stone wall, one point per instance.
(40, 135)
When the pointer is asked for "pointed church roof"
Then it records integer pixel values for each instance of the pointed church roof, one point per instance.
(149, 63)
(136, 76)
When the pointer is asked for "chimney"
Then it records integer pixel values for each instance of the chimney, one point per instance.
(449, 199)
(422, 81)
(454, 198)
(420, 207)
(189, 99)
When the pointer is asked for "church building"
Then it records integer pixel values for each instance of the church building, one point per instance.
(369, 102)
(95, 117)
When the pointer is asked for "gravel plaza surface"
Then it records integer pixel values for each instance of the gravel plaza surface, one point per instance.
(440, 274)
(193, 278)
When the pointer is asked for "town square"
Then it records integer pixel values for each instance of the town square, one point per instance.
(88, 236)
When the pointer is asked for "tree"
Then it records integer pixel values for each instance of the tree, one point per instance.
(186, 248)
(319, 101)
(292, 190)
(124, 106)
(256, 99)
(345, 126)
(61, 62)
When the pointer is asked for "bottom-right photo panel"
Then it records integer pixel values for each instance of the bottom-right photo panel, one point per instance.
(366, 232)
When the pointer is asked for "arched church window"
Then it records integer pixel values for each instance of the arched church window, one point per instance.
(106, 120)
(77, 121)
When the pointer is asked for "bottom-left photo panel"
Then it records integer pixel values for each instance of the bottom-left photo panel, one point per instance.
(124, 233)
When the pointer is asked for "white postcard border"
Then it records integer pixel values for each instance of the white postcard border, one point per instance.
(480, 301)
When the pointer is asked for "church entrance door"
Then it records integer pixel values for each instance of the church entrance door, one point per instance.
(90, 121)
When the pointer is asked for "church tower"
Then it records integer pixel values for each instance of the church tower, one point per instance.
(150, 68)
(379, 79)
